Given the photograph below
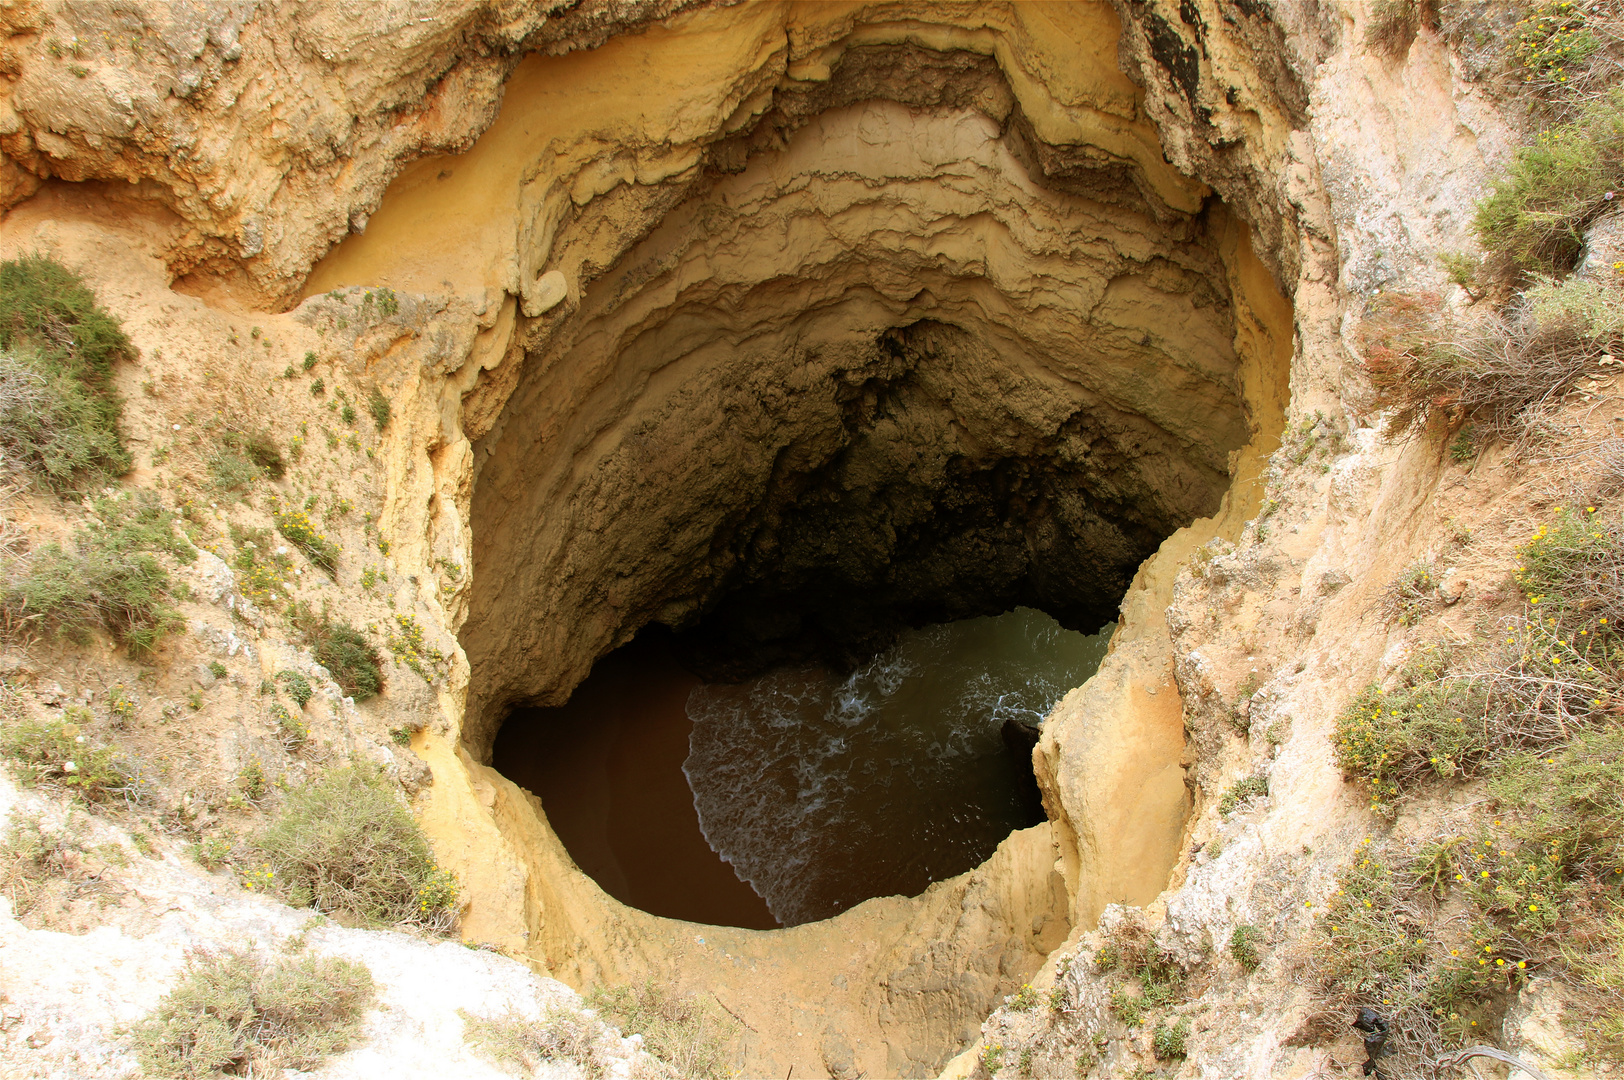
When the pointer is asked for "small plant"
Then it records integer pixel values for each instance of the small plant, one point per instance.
(1025, 999)
(1241, 791)
(194, 700)
(1464, 446)
(1243, 946)
(409, 647)
(294, 733)
(298, 686)
(217, 669)
(692, 1035)
(1169, 1041)
(560, 1035)
(32, 858)
(1413, 594)
(57, 753)
(244, 457)
(347, 414)
(212, 852)
(110, 580)
(309, 360)
(251, 781)
(262, 570)
(318, 388)
(122, 705)
(59, 413)
(1463, 270)
(402, 736)
(378, 406)
(342, 650)
(370, 578)
(344, 843)
(240, 1013)
(301, 533)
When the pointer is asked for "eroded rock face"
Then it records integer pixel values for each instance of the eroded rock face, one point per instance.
(880, 377)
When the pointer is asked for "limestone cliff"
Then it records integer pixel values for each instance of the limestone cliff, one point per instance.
(787, 324)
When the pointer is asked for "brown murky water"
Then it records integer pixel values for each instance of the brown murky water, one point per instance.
(607, 766)
(795, 795)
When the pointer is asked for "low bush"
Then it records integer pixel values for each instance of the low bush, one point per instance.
(298, 687)
(244, 457)
(57, 753)
(1169, 1040)
(110, 580)
(1243, 946)
(1499, 373)
(560, 1035)
(1536, 217)
(237, 1013)
(262, 571)
(349, 658)
(1242, 790)
(409, 646)
(693, 1035)
(1439, 930)
(59, 413)
(32, 856)
(302, 534)
(344, 844)
(378, 406)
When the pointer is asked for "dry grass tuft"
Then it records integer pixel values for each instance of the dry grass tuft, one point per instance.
(693, 1035)
(237, 1013)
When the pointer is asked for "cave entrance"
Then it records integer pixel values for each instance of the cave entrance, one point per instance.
(794, 795)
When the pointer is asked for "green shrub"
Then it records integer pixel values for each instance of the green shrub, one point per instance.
(693, 1035)
(1243, 946)
(340, 648)
(1169, 1041)
(109, 580)
(1412, 594)
(344, 844)
(378, 406)
(1536, 217)
(59, 413)
(302, 534)
(1025, 999)
(410, 647)
(294, 732)
(298, 686)
(58, 753)
(1248, 787)
(238, 1013)
(262, 573)
(243, 457)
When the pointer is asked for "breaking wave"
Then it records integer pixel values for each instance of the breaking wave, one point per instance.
(823, 791)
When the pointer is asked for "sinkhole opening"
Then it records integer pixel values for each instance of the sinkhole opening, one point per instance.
(834, 460)
(793, 795)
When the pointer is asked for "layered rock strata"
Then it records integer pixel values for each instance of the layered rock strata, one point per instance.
(714, 313)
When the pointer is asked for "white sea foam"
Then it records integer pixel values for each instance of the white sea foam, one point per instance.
(822, 791)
